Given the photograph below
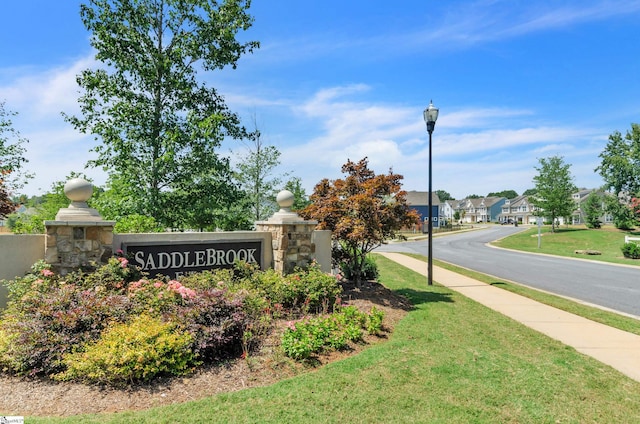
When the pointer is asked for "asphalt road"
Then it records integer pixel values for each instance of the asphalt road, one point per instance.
(605, 285)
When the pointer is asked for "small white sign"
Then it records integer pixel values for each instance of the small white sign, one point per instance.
(11, 420)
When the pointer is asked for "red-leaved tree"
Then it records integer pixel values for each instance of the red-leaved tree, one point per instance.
(635, 207)
(6, 205)
(362, 211)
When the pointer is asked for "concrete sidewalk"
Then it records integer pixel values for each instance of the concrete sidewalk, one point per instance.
(617, 348)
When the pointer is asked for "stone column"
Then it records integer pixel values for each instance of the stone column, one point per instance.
(79, 236)
(291, 236)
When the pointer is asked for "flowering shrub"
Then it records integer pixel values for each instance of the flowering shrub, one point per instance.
(43, 326)
(40, 279)
(115, 275)
(134, 351)
(156, 296)
(215, 321)
(87, 325)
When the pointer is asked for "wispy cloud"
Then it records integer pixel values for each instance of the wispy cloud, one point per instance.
(42, 94)
(471, 23)
(468, 141)
(39, 96)
(448, 26)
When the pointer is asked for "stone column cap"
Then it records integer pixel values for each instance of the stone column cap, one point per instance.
(80, 223)
(285, 215)
(78, 191)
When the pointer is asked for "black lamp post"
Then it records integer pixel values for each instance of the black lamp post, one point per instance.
(430, 116)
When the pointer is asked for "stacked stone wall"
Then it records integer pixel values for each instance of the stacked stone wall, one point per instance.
(71, 245)
(292, 244)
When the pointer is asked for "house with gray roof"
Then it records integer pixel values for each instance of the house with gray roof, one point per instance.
(419, 201)
(519, 210)
(480, 210)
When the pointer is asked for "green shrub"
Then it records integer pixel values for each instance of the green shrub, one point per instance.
(115, 275)
(303, 290)
(374, 321)
(305, 338)
(131, 352)
(369, 269)
(631, 250)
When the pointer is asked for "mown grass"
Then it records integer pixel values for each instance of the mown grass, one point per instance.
(612, 319)
(566, 240)
(451, 360)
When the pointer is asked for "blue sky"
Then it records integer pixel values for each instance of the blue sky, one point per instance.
(333, 80)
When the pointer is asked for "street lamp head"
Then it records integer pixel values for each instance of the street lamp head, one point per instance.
(431, 116)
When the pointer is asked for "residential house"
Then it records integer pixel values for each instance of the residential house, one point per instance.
(446, 212)
(580, 197)
(419, 201)
(519, 210)
(483, 209)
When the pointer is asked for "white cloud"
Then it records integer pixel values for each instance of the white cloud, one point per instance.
(45, 94)
(475, 150)
(55, 148)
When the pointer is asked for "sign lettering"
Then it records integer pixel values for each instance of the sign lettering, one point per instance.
(173, 259)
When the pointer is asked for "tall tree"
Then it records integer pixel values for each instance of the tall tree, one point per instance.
(620, 166)
(620, 169)
(554, 189)
(593, 210)
(362, 211)
(12, 159)
(444, 195)
(159, 126)
(6, 205)
(509, 194)
(255, 174)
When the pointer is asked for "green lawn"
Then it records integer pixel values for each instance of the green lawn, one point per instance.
(565, 241)
(450, 360)
(612, 319)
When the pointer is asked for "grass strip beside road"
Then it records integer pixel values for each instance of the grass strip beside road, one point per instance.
(594, 313)
(567, 240)
(451, 360)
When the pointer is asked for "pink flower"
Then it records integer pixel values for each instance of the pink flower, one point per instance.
(47, 273)
(135, 285)
(157, 284)
(174, 285)
(186, 293)
(183, 291)
(123, 262)
(291, 325)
